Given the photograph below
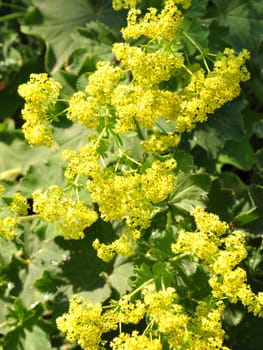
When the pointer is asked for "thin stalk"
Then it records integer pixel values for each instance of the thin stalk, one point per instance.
(169, 219)
(180, 256)
(11, 16)
(3, 324)
(149, 325)
(28, 217)
(76, 187)
(60, 113)
(13, 6)
(198, 48)
(132, 160)
(206, 65)
(10, 173)
(139, 130)
(188, 70)
(193, 42)
(142, 286)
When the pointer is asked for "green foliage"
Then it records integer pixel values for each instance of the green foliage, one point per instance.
(219, 167)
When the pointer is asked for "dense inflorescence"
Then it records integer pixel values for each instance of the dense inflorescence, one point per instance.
(169, 317)
(128, 96)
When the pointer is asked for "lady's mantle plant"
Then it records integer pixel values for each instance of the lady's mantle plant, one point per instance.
(187, 268)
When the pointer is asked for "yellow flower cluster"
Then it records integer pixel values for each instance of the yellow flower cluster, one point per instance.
(160, 143)
(85, 322)
(205, 93)
(207, 332)
(146, 106)
(71, 216)
(167, 319)
(148, 68)
(123, 245)
(135, 341)
(103, 81)
(7, 227)
(130, 196)
(209, 223)
(153, 24)
(2, 190)
(221, 251)
(19, 204)
(128, 311)
(17, 207)
(41, 94)
(82, 324)
(167, 314)
(85, 161)
(124, 4)
(86, 107)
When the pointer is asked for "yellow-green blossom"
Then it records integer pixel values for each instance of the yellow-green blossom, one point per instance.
(40, 94)
(147, 68)
(85, 161)
(19, 204)
(130, 196)
(208, 223)
(84, 109)
(158, 181)
(71, 216)
(37, 133)
(154, 24)
(197, 243)
(2, 190)
(103, 81)
(128, 311)
(7, 227)
(206, 327)
(83, 323)
(135, 341)
(160, 143)
(124, 4)
(146, 106)
(123, 245)
(206, 93)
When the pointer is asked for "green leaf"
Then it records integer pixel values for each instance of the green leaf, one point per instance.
(221, 200)
(256, 191)
(96, 41)
(163, 273)
(184, 161)
(247, 217)
(243, 201)
(27, 339)
(34, 178)
(67, 81)
(244, 20)
(72, 266)
(17, 154)
(7, 249)
(142, 274)
(122, 271)
(194, 31)
(257, 86)
(225, 124)
(190, 192)
(55, 22)
(197, 8)
(239, 154)
(185, 268)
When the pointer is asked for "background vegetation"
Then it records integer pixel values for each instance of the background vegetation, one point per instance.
(222, 160)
